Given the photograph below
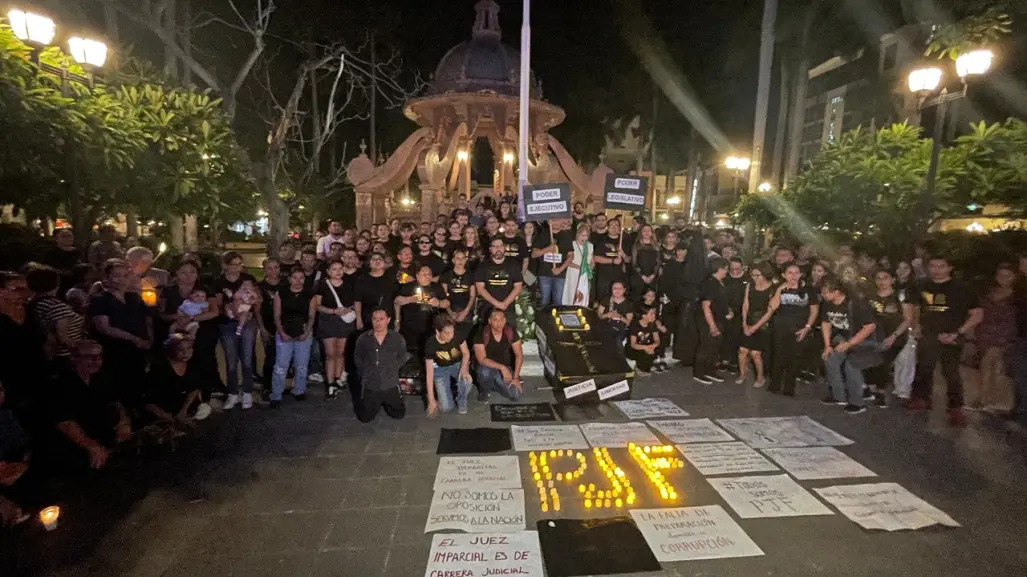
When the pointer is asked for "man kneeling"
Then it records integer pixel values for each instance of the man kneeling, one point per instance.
(498, 350)
(379, 355)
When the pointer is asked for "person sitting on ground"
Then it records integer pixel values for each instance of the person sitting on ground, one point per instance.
(172, 395)
(617, 310)
(90, 419)
(497, 347)
(447, 361)
(848, 324)
(643, 340)
(379, 354)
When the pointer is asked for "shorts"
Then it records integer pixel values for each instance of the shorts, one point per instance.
(333, 327)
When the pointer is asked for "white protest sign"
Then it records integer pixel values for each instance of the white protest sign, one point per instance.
(455, 555)
(767, 496)
(725, 458)
(546, 437)
(650, 408)
(477, 510)
(769, 432)
(691, 431)
(690, 533)
(818, 463)
(618, 434)
(579, 389)
(478, 472)
(613, 390)
(886, 506)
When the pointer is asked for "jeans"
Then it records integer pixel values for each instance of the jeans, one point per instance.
(444, 378)
(492, 380)
(551, 290)
(238, 349)
(296, 352)
(844, 379)
(929, 353)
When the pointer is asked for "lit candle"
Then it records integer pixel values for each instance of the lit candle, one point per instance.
(49, 517)
(149, 297)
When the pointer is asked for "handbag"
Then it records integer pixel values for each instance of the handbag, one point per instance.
(904, 369)
(347, 317)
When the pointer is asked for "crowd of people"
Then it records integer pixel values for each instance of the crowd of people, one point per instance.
(106, 350)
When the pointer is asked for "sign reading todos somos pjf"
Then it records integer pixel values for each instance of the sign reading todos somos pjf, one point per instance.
(546, 201)
(626, 192)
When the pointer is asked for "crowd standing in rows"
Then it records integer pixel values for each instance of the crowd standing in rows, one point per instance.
(350, 311)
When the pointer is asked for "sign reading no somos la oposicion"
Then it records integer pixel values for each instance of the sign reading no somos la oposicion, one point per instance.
(626, 192)
(547, 201)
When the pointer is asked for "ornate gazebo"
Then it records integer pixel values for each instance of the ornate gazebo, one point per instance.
(473, 95)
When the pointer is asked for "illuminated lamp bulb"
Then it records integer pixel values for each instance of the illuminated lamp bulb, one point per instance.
(663, 492)
(588, 494)
(673, 494)
(532, 456)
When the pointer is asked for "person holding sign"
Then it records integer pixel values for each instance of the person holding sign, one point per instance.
(497, 347)
(609, 258)
(577, 288)
(499, 281)
(553, 251)
(446, 361)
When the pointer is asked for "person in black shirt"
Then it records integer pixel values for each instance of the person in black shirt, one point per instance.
(427, 257)
(948, 310)
(671, 291)
(416, 306)
(375, 289)
(311, 269)
(447, 362)
(336, 321)
(618, 311)
(735, 284)
(499, 282)
(516, 248)
(405, 270)
(269, 287)
(893, 317)
(497, 348)
(554, 255)
(609, 258)
(461, 292)
(172, 395)
(441, 246)
(21, 343)
(599, 228)
(456, 235)
(643, 340)
(379, 354)
(63, 256)
(716, 313)
(756, 313)
(847, 324)
(795, 307)
(125, 325)
(645, 262)
(294, 328)
(668, 248)
(405, 239)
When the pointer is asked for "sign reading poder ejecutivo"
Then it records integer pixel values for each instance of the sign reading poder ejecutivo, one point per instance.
(547, 201)
(626, 192)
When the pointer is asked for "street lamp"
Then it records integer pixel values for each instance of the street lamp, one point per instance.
(508, 157)
(461, 155)
(32, 27)
(674, 200)
(764, 187)
(737, 164)
(973, 63)
(89, 52)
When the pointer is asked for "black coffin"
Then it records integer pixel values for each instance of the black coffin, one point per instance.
(576, 347)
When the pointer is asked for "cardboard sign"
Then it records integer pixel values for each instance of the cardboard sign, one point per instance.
(772, 432)
(477, 510)
(547, 437)
(618, 434)
(691, 431)
(481, 472)
(690, 533)
(767, 496)
(485, 554)
(652, 408)
(618, 388)
(725, 458)
(579, 389)
(543, 202)
(522, 412)
(625, 192)
(818, 463)
(886, 506)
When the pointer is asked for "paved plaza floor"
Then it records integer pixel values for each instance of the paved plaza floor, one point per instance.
(309, 491)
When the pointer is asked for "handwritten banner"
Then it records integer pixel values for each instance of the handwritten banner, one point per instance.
(767, 496)
(477, 511)
(818, 463)
(478, 472)
(886, 506)
(772, 432)
(690, 533)
(650, 409)
(546, 437)
(691, 431)
(483, 554)
(618, 434)
(725, 458)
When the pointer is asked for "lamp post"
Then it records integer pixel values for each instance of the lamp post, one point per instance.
(924, 82)
(738, 164)
(39, 31)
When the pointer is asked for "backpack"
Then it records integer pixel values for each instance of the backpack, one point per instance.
(508, 334)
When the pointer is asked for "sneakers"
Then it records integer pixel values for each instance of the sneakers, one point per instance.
(247, 401)
(230, 402)
(957, 418)
(462, 410)
(855, 409)
(703, 380)
(740, 380)
(759, 384)
(713, 377)
(918, 405)
(315, 378)
(881, 400)
(640, 373)
(203, 411)
(868, 395)
(829, 400)
(333, 392)
(483, 398)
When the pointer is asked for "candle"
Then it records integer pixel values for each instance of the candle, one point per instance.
(149, 297)
(49, 517)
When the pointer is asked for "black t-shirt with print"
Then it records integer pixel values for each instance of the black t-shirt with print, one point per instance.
(267, 305)
(499, 278)
(459, 288)
(501, 350)
(516, 248)
(848, 318)
(445, 252)
(944, 306)
(795, 305)
(226, 288)
(887, 312)
(623, 308)
(444, 355)
(433, 261)
(417, 316)
(402, 275)
(606, 247)
(667, 254)
(565, 245)
(713, 290)
(644, 335)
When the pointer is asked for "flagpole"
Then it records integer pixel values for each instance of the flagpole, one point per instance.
(522, 160)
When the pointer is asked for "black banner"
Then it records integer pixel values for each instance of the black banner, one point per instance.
(547, 201)
(625, 192)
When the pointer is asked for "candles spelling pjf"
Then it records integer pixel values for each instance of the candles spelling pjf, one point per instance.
(650, 459)
(49, 516)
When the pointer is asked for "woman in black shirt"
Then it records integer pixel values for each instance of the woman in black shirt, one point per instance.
(643, 340)
(294, 325)
(172, 394)
(756, 315)
(618, 312)
(335, 323)
(125, 329)
(204, 361)
(416, 306)
(645, 262)
(458, 283)
(893, 317)
(472, 245)
(795, 307)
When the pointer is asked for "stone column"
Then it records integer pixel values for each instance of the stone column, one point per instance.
(429, 201)
(380, 208)
(192, 239)
(365, 210)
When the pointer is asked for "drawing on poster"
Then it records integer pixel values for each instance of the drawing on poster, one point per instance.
(477, 510)
(478, 472)
(690, 533)
(691, 431)
(767, 496)
(818, 463)
(885, 506)
(650, 409)
(546, 437)
(725, 458)
(618, 434)
(485, 554)
(770, 432)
